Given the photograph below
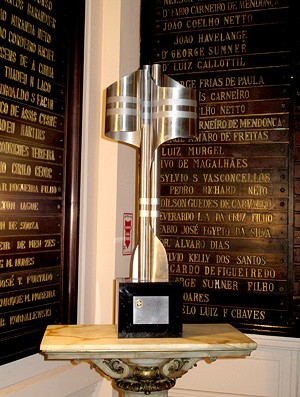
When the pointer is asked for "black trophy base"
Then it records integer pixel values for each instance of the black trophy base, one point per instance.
(150, 310)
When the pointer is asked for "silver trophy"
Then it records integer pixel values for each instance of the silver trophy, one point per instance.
(146, 109)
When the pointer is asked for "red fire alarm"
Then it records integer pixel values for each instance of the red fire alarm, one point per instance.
(127, 233)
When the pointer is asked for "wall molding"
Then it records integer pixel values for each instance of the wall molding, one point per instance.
(273, 370)
(64, 380)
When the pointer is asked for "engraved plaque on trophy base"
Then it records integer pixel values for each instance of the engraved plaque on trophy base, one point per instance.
(149, 309)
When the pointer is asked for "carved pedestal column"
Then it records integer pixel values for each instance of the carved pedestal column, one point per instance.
(137, 377)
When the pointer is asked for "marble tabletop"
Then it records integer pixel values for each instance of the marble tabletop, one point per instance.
(101, 341)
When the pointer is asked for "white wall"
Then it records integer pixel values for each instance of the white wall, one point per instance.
(108, 172)
(112, 42)
(271, 371)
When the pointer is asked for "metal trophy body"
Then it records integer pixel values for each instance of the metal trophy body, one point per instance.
(146, 109)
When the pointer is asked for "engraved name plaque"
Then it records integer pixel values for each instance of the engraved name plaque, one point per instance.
(230, 196)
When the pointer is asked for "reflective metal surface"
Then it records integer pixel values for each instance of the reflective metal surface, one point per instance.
(146, 109)
(150, 310)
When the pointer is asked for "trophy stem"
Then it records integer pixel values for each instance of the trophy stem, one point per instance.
(145, 208)
(144, 258)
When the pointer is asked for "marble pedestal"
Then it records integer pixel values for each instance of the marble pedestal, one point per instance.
(147, 365)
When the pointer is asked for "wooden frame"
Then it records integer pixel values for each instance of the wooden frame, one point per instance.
(45, 59)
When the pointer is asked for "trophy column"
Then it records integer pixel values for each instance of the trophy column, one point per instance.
(146, 109)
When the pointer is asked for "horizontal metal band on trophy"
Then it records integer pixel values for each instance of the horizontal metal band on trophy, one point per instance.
(146, 109)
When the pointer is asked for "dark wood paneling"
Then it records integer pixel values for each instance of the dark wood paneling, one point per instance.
(41, 47)
(228, 217)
